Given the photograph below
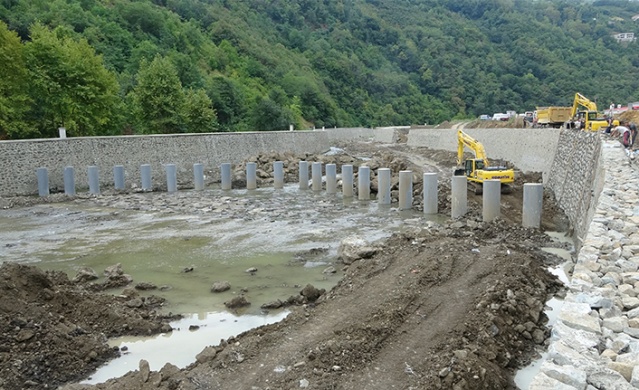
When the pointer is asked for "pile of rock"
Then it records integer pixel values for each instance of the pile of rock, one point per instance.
(595, 343)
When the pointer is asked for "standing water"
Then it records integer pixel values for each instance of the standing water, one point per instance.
(184, 242)
(524, 377)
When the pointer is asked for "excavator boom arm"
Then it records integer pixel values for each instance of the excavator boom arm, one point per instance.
(475, 146)
(581, 100)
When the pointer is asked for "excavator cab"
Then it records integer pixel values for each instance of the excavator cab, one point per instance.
(471, 166)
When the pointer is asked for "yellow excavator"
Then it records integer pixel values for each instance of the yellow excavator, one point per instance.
(590, 116)
(478, 169)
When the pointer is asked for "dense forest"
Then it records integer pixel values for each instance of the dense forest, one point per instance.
(105, 67)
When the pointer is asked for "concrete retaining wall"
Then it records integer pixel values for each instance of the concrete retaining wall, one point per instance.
(20, 159)
(530, 150)
(346, 134)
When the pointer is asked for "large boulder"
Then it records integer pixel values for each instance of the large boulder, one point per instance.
(221, 286)
(353, 248)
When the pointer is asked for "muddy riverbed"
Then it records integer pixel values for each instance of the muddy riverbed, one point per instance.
(435, 303)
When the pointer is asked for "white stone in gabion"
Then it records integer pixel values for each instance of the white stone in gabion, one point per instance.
(634, 313)
(609, 354)
(634, 381)
(633, 332)
(634, 249)
(616, 324)
(633, 323)
(619, 343)
(564, 355)
(597, 242)
(627, 289)
(598, 227)
(542, 381)
(589, 265)
(605, 378)
(581, 282)
(577, 315)
(591, 259)
(615, 237)
(630, 303)
(630, 358)
(627, 266)
(616, 224)
(594, 300)
(580, 340)
(609, 312)
(625, 369)
(613, 278)
(565, 374)
(630, 277)
(614, 255)
(626, 253)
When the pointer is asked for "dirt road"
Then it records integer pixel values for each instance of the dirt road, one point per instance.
(451, 306)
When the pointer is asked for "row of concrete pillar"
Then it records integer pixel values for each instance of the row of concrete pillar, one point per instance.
(533, 192)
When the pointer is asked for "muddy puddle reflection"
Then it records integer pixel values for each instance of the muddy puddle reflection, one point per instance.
(290, 236)
(183, 344)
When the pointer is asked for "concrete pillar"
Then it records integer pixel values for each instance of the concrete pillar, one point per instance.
(225, 168)
(331, 178)
(491, 200)
(171, 177)
(198, 177)
(118, 177)
(533, 205)
(316, 174)
(364, 183)
(62, 132)
(384, 186)
(405, 190)
(251, 175)
(43, 181)
(145, 173)
(278, 174)
(69, 181)
(94, 180)
(347, 181)
(459, 196)
(303, 176)
(430, 193)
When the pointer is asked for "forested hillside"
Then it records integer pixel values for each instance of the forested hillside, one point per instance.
(100, 67)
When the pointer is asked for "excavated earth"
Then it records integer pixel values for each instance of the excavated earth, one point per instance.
(457, 305)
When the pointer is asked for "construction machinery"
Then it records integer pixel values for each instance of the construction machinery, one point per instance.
(478, 169)
(588, 118)
(551, 116)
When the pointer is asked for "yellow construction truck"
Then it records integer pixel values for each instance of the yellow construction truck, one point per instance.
(551, 116)
(478, 169)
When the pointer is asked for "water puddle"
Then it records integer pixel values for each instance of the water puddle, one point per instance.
(184, 344)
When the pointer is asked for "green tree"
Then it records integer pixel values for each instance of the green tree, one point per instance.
(198, 113)
(13, 78)
(158, 97)
(268, 116)
(69, 86)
